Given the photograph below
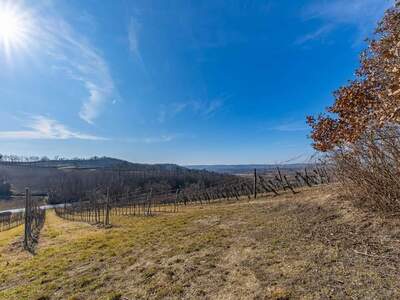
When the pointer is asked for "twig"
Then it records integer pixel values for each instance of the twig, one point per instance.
(369, 255)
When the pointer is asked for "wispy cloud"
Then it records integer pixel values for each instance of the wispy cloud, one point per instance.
(71, 52)
(362, 14)
(203, 108)
(210, 107)
(133, 38)
(289, 126)
(44, 128)
(315, 35)
(165, 138)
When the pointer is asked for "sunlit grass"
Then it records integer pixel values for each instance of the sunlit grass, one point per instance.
(244, 250)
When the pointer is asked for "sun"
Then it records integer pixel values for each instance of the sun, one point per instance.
(10, 25)
(14, 28)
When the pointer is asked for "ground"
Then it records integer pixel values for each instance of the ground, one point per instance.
(311, 245)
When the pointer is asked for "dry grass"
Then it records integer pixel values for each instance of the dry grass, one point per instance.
(14, 202)
(309, 245)
(368, 170)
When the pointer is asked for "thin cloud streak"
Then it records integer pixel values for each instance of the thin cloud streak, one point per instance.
(153, 140)
(72, 53)
(133, 39)
(362, 14)
(291, 126)
(204, 108)
(318, 34)
(44, 128)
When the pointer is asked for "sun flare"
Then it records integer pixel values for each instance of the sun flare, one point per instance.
(14, 28)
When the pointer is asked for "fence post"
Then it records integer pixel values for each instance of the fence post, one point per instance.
(255, 183)
(149, 202)
(107, 219)
(127, 207)
(176, 200)
(26, 231)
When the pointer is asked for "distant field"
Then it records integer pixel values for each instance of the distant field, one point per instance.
(13, 202)
(309, 245)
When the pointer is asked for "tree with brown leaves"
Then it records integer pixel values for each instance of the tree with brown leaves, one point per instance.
(372, 100)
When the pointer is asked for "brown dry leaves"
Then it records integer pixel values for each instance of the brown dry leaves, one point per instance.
(371, 100)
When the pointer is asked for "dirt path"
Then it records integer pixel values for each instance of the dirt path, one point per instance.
(308, 246)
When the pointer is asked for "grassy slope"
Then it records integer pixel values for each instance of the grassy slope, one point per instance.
(305, 246)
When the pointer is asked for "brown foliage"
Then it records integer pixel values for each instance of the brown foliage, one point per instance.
(361, 130)
(372, 100)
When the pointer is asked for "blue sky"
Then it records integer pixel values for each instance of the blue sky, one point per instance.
(188, 82)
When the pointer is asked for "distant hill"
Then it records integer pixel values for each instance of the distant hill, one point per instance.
(245, 169)
(85, 174)
(94, 163)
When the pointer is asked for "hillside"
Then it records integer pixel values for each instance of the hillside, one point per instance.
(93, 163)
(246, 169)
(41, 176)
(309, 245)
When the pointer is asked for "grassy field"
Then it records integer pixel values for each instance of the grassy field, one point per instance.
(310, 246)
(16, 202)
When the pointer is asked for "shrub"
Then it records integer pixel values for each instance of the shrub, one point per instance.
(361, 130)
(368, 172)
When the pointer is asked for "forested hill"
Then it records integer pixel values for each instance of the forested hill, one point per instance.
(92, 163)
(77, 175)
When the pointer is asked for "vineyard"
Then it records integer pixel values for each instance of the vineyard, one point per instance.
(196, 241)
(34, 221)
(9, 220)
(33, 218)
(97, 206)
(290, 246)
(178, 150)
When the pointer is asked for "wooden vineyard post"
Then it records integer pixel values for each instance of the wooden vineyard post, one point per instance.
(26, 232)
(81, 213)
(280, 179)
(176, 200)
(127, 206)
(149, 202)
(199, 197)
(236, 193)
(255, 183)
(298, 181)
(289, 185)
(107, 217)
(96, 217)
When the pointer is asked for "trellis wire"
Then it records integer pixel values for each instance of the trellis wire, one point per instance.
(97, 207)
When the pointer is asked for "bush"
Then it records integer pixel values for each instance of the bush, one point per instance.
(368, 171)
(361, 130)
